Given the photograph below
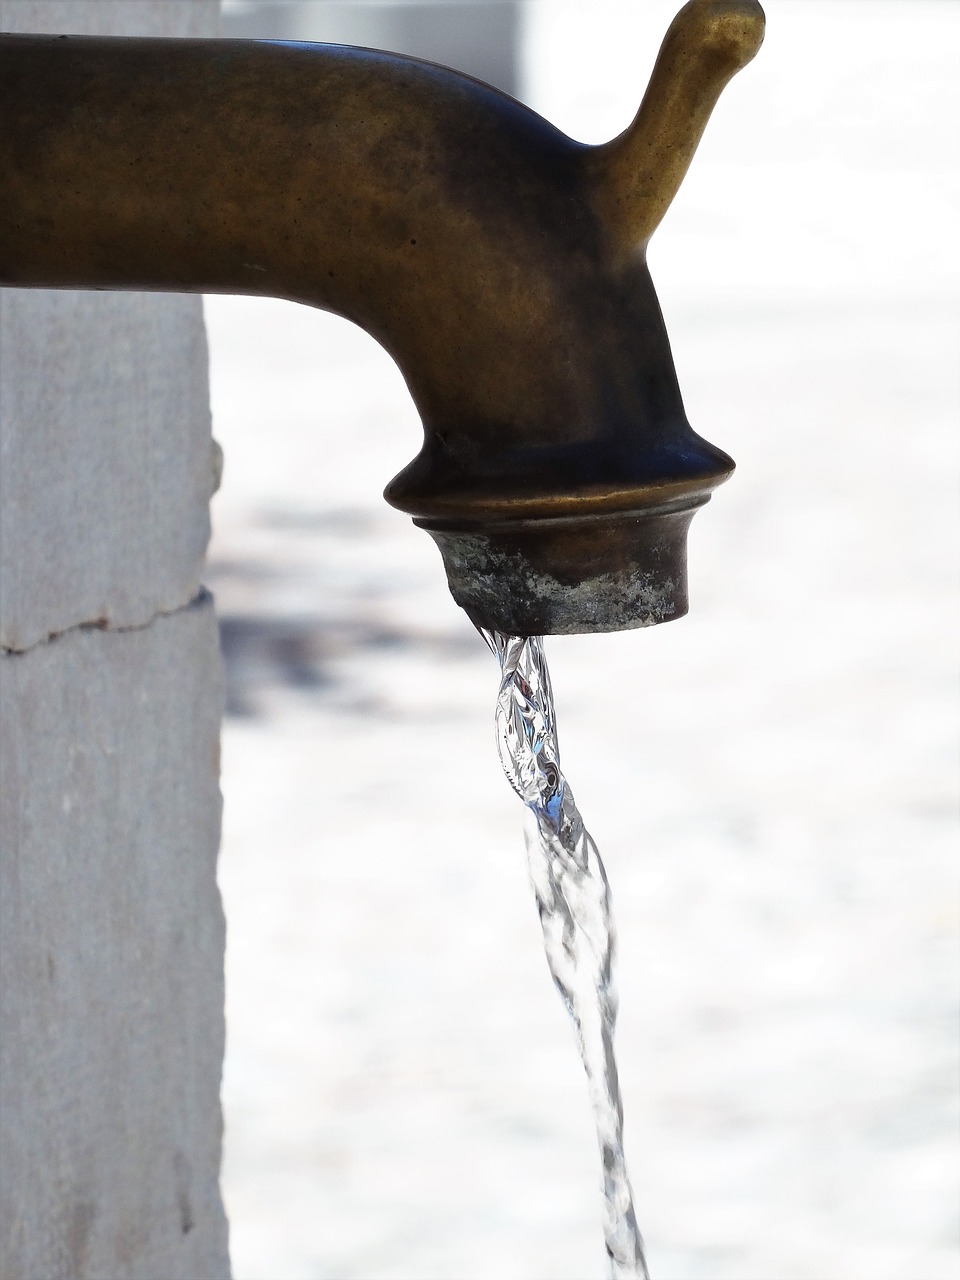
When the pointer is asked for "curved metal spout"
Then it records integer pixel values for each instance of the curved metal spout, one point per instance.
(500, 263)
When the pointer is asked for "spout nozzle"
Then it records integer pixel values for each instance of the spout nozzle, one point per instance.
(569, 575)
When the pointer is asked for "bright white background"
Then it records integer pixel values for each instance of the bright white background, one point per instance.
(772, 780)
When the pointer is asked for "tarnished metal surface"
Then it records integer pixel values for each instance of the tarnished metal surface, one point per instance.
(570, 574)
(500, 263)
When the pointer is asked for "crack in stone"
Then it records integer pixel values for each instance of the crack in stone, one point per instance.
(202, 597)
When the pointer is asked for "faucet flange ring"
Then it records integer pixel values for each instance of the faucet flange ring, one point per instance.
(572, 574)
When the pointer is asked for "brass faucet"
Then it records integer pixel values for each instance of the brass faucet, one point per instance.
(501, 264)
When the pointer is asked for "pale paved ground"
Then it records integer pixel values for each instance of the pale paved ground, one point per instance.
(772, 780)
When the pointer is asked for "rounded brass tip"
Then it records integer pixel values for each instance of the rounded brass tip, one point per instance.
(636, 176)
(571, 574)
(732, 27)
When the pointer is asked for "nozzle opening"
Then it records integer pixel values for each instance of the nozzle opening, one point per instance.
(569, 575)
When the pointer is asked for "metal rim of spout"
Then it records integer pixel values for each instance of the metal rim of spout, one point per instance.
(573, 574)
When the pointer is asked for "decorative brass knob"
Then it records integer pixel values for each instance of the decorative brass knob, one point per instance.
(637, 174)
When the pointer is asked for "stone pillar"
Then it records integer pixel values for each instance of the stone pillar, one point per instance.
(111, 1039)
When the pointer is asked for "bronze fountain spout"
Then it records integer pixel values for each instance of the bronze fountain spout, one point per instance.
(501, 264)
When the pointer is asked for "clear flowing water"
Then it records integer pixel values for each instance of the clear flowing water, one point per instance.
(573, 898)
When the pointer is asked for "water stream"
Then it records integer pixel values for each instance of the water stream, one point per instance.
(573, 898)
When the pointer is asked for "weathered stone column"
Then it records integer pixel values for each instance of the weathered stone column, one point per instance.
(110, 680)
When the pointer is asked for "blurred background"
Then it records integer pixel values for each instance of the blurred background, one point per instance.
(772, 781)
